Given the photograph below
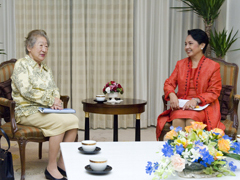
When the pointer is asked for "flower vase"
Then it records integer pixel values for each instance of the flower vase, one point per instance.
(113, 95)
(195, 170)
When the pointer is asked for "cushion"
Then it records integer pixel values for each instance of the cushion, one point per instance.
(24, 132)
(6, 92)
(224, 100)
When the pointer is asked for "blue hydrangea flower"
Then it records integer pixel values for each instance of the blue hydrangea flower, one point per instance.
(199, 143)
(232, 167)
(179, 149)
(149, 168)
(203, 163)
(216, 133)
(155, 166)
(167, 150)
(178, 129)
(236, 147)
(206, 157)
(227, 137)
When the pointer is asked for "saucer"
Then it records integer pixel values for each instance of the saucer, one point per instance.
(105, 171)
(100, 101)
(89, 152)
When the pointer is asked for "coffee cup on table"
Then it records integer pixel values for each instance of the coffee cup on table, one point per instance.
(100, 97)
(98, 163)
(238, 137)
(89, 145)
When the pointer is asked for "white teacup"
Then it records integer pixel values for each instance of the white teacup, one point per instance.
(89, 145)
(238, 137)
(98, 163)
(100, 97)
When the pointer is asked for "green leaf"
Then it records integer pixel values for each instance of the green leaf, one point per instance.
(221, 41)
(220, 175)
(232, 155)
(208, 170)
(207, 9)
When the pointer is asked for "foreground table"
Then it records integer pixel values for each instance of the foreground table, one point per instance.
(127, 159)
(127, 106)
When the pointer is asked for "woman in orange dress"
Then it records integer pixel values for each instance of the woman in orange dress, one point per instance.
(199, 81)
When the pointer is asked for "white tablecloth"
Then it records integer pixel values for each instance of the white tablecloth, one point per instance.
(127, 159)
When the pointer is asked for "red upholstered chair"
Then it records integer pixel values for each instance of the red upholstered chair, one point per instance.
(228, 99)
(21, 134)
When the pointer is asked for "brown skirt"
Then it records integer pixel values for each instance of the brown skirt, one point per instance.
(51, 124)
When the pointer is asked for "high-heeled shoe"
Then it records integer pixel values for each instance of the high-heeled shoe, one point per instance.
(49, 176)
(62, 171)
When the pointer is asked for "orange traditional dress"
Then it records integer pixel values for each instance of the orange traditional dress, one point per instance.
(203, 82)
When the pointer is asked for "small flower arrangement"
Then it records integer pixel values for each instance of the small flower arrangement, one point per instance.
(196, 145)
(112, 87)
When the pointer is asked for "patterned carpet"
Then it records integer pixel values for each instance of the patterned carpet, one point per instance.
(35, 167)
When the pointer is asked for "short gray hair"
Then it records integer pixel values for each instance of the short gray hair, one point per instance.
(32, 38)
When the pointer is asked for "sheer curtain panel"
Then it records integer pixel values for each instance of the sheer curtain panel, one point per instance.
(102, 52)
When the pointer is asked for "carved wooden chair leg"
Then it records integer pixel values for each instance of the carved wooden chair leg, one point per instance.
(40, 150)
(22, 145)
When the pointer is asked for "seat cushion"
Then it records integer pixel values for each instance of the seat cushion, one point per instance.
(224, 99)
(24, 132)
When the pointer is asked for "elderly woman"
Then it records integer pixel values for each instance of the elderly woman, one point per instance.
(33, 87)
(199, 81)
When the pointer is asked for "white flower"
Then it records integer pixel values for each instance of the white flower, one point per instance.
(195, 154)
(186, 154)
(107, 89)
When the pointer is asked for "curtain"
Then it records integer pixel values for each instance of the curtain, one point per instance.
(7, 30)
(102, 52)
(53, 17)
(159, 37)
(91, 44)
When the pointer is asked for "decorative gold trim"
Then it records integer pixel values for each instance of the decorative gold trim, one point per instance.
(86, 144)
(98, 161)
(86, 114)
(138, 116)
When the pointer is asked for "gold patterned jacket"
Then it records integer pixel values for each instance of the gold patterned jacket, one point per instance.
(32, 87)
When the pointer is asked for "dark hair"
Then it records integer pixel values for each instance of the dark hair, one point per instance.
(200, 36)
(32, 38)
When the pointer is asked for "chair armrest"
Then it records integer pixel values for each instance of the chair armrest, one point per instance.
(164, 103)
(11, 105)
(237, 96)
(65, 100)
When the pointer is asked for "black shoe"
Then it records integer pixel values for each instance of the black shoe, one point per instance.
(49, 176)
(62, 171)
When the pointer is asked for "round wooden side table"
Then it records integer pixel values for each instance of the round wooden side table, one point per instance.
(127, 106)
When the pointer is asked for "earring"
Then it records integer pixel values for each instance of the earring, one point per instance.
(201, 48)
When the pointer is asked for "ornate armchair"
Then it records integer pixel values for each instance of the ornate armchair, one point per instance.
(228, 99)
(21, 134)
